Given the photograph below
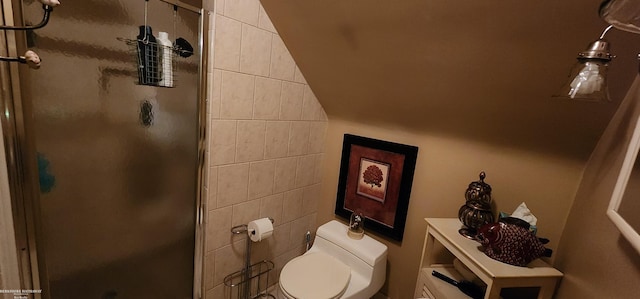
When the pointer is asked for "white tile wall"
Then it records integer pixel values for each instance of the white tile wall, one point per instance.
(266, 103)
(264, 21)
(292, 204)
(291, 101)
(285, 176)
(245, 11)
(311, 109)
(282, 64)
(212, 188)
(222, 144)
(317, 131)
(266, 143)
(236, 98)
(255, 50)
(226, 43)
(251, 140)
(277, 139)
(218, 225)
(214, 91)
(298, 77)
(305, 171)
(271, 206)
(245, 212)
(233, 184)
(299, 138)
(261, 179)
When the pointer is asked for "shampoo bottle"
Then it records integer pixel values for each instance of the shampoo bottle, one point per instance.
(166, 60)
(147, 57)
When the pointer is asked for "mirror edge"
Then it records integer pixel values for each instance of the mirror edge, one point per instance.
(618, 192)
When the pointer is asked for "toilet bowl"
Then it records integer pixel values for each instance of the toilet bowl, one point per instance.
(336, 266)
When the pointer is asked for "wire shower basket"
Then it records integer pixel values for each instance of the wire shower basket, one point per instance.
(156, 57)
(155, 63)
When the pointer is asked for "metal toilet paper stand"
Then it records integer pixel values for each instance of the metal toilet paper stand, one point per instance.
(253, 280)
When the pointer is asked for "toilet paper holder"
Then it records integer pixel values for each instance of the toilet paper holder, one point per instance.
(243, 228)
(245, 275)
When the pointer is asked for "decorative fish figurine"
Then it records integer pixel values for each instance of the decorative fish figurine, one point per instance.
(511, 243)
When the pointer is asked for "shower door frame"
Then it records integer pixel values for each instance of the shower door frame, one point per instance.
(23, 170)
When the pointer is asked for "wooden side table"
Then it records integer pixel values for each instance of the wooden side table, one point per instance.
(496, 275)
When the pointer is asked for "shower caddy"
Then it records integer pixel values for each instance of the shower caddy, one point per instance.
(156, 60)
(31, 58)
(253, 280)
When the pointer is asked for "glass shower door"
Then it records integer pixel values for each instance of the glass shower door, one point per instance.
(118, 160)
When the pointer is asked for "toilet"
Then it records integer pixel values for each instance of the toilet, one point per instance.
(336, 266)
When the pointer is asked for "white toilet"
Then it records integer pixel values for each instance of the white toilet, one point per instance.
(337, 266)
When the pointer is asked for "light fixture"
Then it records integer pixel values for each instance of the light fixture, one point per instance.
(588, 78)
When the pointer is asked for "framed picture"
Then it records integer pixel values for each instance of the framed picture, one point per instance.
(375, 180)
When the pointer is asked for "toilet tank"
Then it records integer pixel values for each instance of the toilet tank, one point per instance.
(367, 249)
(366, 257)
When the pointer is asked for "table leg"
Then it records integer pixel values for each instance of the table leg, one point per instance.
(428, 248)
(547, 288)
(493, 291)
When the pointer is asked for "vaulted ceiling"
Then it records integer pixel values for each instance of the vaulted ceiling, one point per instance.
(482, 70)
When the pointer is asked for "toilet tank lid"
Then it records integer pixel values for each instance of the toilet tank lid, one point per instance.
(367, 249)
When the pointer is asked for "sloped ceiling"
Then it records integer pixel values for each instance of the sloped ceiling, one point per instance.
(482, 70)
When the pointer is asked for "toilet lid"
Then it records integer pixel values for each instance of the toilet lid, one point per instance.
(315, 276)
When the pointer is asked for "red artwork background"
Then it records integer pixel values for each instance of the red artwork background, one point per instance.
(383, 213)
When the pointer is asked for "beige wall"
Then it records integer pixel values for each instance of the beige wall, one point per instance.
(444, 168)
(266, 138)
(596, 259)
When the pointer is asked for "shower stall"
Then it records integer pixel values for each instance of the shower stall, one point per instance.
(115, 209)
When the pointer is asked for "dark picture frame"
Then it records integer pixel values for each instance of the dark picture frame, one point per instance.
(376, 177)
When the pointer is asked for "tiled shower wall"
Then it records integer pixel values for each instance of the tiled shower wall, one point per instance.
(266, 138)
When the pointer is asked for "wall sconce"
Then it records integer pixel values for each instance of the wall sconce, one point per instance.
(588, 78)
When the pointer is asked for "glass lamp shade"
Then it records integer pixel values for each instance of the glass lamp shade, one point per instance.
(587, 81)
(588, 78)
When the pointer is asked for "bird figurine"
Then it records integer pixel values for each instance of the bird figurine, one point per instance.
(52, 3)
(511, 243)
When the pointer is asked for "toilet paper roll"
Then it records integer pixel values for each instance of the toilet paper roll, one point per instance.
(260, 229)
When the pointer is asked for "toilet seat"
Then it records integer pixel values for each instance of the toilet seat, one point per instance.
(315, 276)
